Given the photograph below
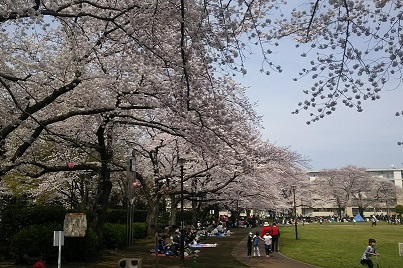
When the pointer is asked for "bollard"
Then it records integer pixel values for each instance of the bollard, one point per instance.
(130, 263)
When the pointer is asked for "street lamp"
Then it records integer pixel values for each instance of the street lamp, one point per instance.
(130, 177)
(73, 181)
(295, 212)
(181, 163)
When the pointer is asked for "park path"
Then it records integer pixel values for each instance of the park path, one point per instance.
(276, 260)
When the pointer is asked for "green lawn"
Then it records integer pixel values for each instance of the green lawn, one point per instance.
(336, 245)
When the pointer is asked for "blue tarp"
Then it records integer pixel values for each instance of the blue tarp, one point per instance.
(358, 218)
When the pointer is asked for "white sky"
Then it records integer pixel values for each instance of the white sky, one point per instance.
(368, 139)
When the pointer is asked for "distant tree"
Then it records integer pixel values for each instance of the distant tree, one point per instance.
(353, 186)
(399, 210)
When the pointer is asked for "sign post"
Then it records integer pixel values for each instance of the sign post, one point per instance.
(58, 241)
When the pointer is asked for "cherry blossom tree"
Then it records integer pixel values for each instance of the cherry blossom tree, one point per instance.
(87, 82)
(353, 186)
(354, 49)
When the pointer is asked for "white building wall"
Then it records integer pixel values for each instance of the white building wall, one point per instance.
(397, 176)
(392, 174)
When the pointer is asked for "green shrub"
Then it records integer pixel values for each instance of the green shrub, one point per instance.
(140, 215)
(120, 216)
(114, 235)
(15, 218)
(140, 230)
(36, 236)
(116, 216)
(41, 237)
(80, 248)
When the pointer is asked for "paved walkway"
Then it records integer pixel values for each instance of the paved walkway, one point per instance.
(276, 260)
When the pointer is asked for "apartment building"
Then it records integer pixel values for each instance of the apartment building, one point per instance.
(310, 209)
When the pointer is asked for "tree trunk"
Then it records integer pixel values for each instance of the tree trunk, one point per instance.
(105, 185)
(361, 211)
(340, 212)
(174, 210)
(152, 216)
(195, 212)
(101, 205)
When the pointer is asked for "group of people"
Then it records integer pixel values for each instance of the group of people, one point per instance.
(172, 249)
(269, 236)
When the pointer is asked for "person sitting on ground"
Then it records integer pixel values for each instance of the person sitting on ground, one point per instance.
(33, 256)
(228, 233)
(161, 246)
(175, 244)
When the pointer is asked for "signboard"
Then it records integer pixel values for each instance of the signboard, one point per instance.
(75, 224)
(58, 238)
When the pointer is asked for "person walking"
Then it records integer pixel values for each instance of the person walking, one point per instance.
(249, 244)
(275, 234)
(368, 253)
(265, 228)
(267, 243)
(373, 220)
(256, 244)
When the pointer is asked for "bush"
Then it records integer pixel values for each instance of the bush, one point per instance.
(36, 236)
(140, 230)
(80, 248)
(41, 237)
(114, 235)
(140, 215)
(120, 216)
(15, 219)
(116, 216)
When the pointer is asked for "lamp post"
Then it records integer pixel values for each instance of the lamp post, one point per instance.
(295, 212)
(181, 163)
(130, 176)
(72, 193)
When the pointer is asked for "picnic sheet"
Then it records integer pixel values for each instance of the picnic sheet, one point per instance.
(200, 245)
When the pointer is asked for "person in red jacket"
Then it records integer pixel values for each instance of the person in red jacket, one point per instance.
(39, 264)
(275, 234)
(266, 228)
(33, 256)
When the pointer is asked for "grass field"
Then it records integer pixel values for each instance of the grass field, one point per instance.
(337, 245)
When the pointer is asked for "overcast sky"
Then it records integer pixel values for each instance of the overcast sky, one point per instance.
(347, 137)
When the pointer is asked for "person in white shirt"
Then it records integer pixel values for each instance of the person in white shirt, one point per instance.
(267, 244)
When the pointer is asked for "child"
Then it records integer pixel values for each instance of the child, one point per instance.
(256, 243)
(267, 243)
(249, 244)
(368, 253)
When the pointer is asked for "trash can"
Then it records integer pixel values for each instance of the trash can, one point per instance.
(130, 263)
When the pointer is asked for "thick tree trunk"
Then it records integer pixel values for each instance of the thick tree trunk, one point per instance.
(105, 185)
(152, 216)
(195, 212)
(174, 210)
(101, 205)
